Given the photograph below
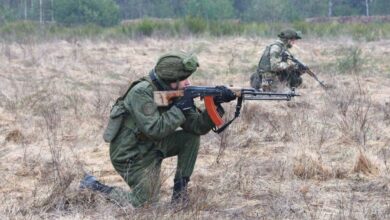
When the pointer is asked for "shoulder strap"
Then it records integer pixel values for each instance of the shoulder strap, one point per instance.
(155, 81)
(128, 89)
(152, 79)
(278, 44)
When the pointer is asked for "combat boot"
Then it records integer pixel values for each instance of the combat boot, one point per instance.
(90, 182)
(180, 195)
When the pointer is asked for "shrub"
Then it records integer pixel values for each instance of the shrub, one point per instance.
(225, 28)
(146, 27)
(352, 60)
(188, 25)
(19, 30)
(101, 12)
(195, 25)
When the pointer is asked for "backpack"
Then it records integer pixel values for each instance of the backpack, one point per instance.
(117, 115)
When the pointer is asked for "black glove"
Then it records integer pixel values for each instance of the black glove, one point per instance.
(284, 57)
(227, 95)
(184, 103)
(302, 68)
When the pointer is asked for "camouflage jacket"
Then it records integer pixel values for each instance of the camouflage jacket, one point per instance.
(271, 60)
(146, 124)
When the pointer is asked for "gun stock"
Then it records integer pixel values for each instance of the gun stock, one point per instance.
(164, 98)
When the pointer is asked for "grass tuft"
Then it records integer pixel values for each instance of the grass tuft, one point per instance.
(308, 166)
(365, 165)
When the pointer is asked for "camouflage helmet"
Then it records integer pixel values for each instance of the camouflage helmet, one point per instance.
(176, 66)
(290, 34)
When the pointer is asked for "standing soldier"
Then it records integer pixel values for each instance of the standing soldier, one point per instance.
(274, 71)
(149, 134)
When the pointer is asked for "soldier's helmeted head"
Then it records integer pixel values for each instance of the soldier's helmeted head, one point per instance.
(176, 66)
(290, 34)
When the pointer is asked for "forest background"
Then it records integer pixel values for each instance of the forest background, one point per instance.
(124, 19)
(91, 11)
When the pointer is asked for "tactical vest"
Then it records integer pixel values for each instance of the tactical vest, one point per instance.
(265, 60)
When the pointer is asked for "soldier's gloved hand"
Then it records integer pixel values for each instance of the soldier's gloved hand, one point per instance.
(284, 57)
(184, 103)
(227, 95)
(302, 68)
(299, 69)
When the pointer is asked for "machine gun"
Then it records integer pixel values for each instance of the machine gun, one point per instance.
(302, 67)
(165, 98)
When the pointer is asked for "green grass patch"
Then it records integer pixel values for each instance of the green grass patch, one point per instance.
(188, 26)
(351, 60)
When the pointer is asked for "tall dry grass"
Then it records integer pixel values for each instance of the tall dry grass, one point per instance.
(323, 155)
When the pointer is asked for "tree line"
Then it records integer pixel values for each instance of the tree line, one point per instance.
(111, 12)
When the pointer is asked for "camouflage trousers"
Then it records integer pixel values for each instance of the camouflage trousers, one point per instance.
(278, 81)
(255, 80)
(142, 173)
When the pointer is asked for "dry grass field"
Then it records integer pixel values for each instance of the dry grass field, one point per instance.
(323, 155)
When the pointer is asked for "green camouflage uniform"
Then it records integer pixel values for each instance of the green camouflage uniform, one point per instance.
(273, 73)
(150, 134)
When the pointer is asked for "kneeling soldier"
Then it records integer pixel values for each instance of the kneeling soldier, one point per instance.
(150, 134)
(274, 71)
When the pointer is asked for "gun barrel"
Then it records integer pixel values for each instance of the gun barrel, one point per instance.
(276, 98)
(246, 91)
(269, 94)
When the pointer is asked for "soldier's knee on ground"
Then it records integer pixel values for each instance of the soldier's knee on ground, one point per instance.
(145, 196)
(142, 176)
(296, 82)
(255, 81)
(123, 198)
